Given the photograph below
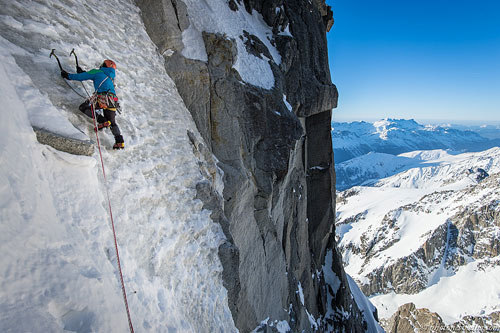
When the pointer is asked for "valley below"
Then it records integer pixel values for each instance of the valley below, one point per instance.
(420, 234)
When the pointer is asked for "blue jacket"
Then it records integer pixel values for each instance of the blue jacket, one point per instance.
(106, 74)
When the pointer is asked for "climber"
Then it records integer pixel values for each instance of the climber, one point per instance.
(104, 97)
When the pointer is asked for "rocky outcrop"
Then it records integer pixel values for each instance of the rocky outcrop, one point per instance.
(63, 143)
(277, 206)
(483, 323)
(409, 319)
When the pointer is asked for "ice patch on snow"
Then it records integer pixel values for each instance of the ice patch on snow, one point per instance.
(286, 31)
(312, 321)
(283, 326)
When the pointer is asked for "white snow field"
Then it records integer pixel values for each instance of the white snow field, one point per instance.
(58, 269)
(474, 289)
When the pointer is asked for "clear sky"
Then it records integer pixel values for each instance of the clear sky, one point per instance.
(427, 59)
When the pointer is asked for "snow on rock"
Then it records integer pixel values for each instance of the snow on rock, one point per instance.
(205, 16)
(362, 302)
(58, 268)
(480, 286)
(194, 47)
(366, 306)
(280, 326)
(330, 277)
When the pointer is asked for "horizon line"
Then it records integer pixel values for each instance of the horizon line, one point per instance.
(470, 122)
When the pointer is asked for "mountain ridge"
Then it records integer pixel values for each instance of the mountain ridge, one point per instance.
(365, 152)
(396, 136)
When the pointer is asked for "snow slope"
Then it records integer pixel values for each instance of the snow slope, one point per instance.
(384, 230)
(58, 270)
(369, 169)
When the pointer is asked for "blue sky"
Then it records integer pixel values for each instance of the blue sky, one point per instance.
(427, 60)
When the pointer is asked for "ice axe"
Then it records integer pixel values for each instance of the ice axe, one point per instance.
(53, 53)
(76, 58)
(78, 69)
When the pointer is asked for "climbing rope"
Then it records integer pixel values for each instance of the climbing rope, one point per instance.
(111, 217)
(77, 68)
(76, 92)
(91, 101)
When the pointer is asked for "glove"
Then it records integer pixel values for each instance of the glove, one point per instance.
(79, 70)
(64, 75)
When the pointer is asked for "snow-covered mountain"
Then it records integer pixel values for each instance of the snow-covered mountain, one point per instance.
(488, 131)
(396, 136)
(370, 168)
(429, 235)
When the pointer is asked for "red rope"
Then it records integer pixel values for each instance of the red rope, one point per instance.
(112, 222)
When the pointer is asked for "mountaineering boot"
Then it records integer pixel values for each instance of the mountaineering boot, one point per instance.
(105, 124)
(119, 143)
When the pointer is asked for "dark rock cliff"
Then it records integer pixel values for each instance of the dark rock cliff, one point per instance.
(278, 205)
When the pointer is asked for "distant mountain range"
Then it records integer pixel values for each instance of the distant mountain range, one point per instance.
(428, 235)
(396, 136)
(365, 152)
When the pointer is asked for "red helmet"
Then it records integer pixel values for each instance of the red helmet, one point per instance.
(109, 63)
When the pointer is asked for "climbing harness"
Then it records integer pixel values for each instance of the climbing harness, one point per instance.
(107, 100)
(92, 98)
(110, 97)
(104, 100)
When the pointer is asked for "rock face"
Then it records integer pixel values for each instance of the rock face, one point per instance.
(409, 319)
(277, 206)
(65, 144)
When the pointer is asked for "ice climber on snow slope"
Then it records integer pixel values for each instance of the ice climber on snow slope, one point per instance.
(104, 97)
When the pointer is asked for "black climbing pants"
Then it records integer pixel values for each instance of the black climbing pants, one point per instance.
(108, 116)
